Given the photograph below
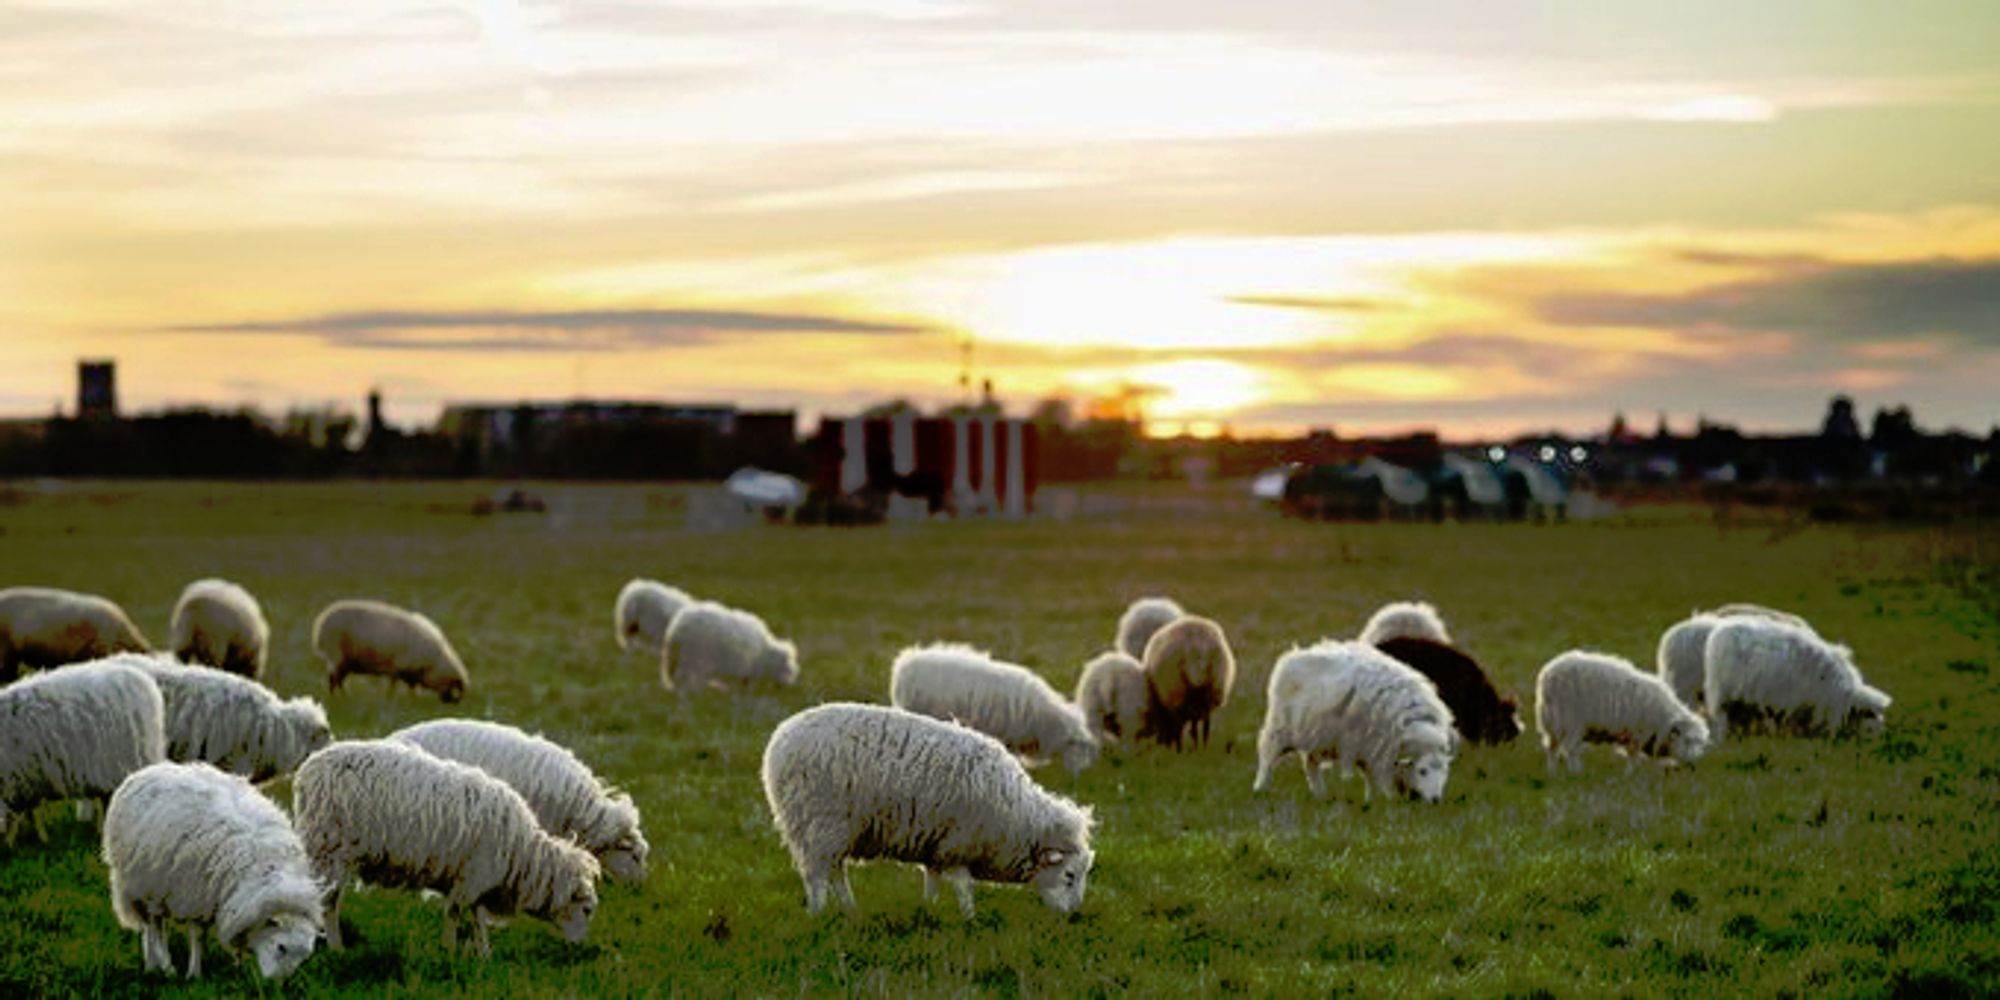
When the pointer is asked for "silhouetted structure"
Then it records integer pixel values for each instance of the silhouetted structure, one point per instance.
(97, 390)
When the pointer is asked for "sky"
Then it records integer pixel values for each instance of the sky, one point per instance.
(1261, 215)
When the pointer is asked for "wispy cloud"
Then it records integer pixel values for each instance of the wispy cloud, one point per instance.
(557, 330)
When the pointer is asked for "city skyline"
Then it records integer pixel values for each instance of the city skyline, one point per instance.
(1280, 216)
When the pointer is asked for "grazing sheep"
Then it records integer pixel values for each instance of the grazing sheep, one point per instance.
(1010, 703)
(1111, 694)
(645, 608)
(219, 624)
(567, 798)
(1404, 619)
(1189, 672)
(1682, 657)
(233, 722)
(397, 816)
(847, 781)
(370, 637)
(43, 627)
(75, 734)
(1767, 670)
(1141, 619)
(1477, 710)
(1352, 704)
(190, 845)
(1585, 697)
(712, 644)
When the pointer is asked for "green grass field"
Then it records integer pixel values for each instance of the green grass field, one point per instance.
(1776, 867)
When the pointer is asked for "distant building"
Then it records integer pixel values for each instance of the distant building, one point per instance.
(617, 439)
(97, 390)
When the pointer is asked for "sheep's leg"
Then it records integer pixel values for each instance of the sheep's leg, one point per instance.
(814, 873)
(481, 945)
(41, 827)
(1573, 750)
(337, 879)
(451, 913)
(846, 891)
(153, 949)
(961, 883)
(1267, 758)
(930, 885)
(194, 951)
(1315, 776)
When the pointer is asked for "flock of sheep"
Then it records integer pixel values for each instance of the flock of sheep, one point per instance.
(498, 821)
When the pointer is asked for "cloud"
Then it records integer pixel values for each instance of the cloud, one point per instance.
(556, 330)
(1309, 303)
(1939, 295)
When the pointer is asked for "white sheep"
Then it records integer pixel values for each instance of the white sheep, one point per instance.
(1405, 620)
(370, 637)
(233, 722)
(75, 733)
(1762, 669)
(1141, 619)
(44, 627)
(1587, 697)
(857, 782)
(219, 624)
(644, 610)
(712, 644)
(567, 798)
(1111, 694)
(1682, 657)
(1352, 704)
(1006, 701)
(397, 816)
(190, 845)
(1189, 674)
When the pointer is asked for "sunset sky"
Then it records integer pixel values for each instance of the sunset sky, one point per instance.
(1471, 216)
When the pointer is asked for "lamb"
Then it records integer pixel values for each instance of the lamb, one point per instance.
(712, 644)
(1762, 669)
(1682, 656)
(567, 798)
(43, 627)
(233, 722)
(75, 733)
(219, 624)
(1352, 704)
(644, 610)
(1404, 619)
(190, 845)
(397, 816)
(1189, 673)
(1141, 619)
(1111, 694)
(1586, 697)
(1010, 703)
(847, 781)
(1478, 711)
(370, 637)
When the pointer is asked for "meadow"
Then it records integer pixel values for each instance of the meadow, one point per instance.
(1775, 867)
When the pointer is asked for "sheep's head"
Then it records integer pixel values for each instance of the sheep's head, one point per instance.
(574, 900)
(779, 662)
(1079, 753)
(1504, 725)
(1870, 712)
(1061, 875)
(450, 690)
(1422, 774)
(1687, 739)
(310, 730)
(625, 858)
(282, 943)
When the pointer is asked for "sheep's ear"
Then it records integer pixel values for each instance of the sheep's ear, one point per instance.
(1051, 857)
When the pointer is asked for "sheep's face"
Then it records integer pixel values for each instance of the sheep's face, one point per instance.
(625, 859)
(572, 916)
(1062, 877)
(1079, 754)
(1503, 726)
(282, 944)
(1423, 776)
(1869, 716)
(780, 663)
(452, 691)
(1687, 740)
